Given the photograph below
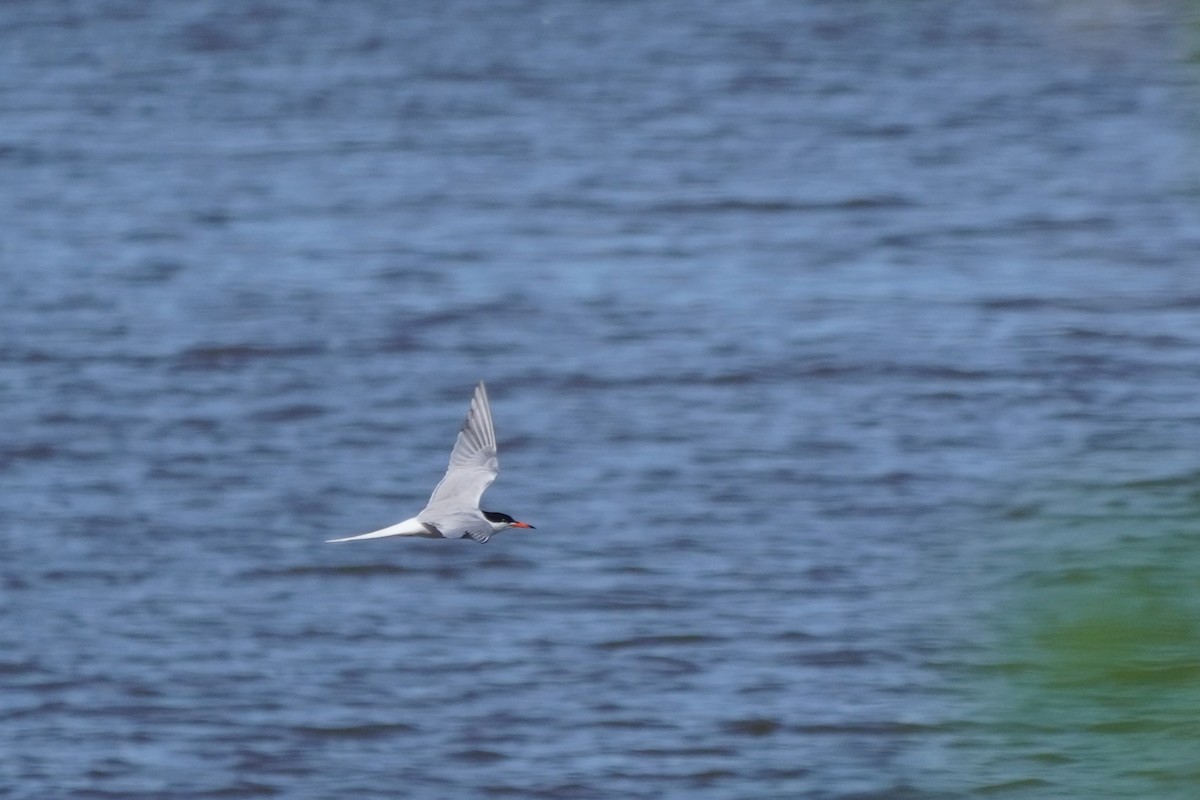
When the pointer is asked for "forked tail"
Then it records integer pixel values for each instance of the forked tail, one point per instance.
(409, 527)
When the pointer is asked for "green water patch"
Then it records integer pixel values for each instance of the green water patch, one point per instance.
(1091, 684)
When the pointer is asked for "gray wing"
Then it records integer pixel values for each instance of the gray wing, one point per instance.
(473, 466)
(471, 526)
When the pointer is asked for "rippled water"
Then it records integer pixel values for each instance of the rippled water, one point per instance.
(843, 354)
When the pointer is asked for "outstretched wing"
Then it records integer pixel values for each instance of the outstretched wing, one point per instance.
(473, 464)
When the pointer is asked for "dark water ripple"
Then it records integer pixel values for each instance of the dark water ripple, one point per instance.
(844, 357)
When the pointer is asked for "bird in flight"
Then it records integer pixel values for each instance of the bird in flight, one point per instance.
(453, 509)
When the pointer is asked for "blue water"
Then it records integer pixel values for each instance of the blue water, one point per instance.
(843, 354)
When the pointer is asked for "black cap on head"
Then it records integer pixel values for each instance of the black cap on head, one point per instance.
(496, 518)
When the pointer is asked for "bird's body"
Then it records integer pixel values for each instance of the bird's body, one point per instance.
(453, 509)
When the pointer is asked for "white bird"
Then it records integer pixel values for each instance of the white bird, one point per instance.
(453, 509)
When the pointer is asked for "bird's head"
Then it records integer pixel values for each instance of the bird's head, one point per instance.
(501, 522)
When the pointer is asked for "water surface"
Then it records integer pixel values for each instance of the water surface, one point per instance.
(844, 356)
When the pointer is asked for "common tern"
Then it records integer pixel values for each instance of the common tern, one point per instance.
(453, 509)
